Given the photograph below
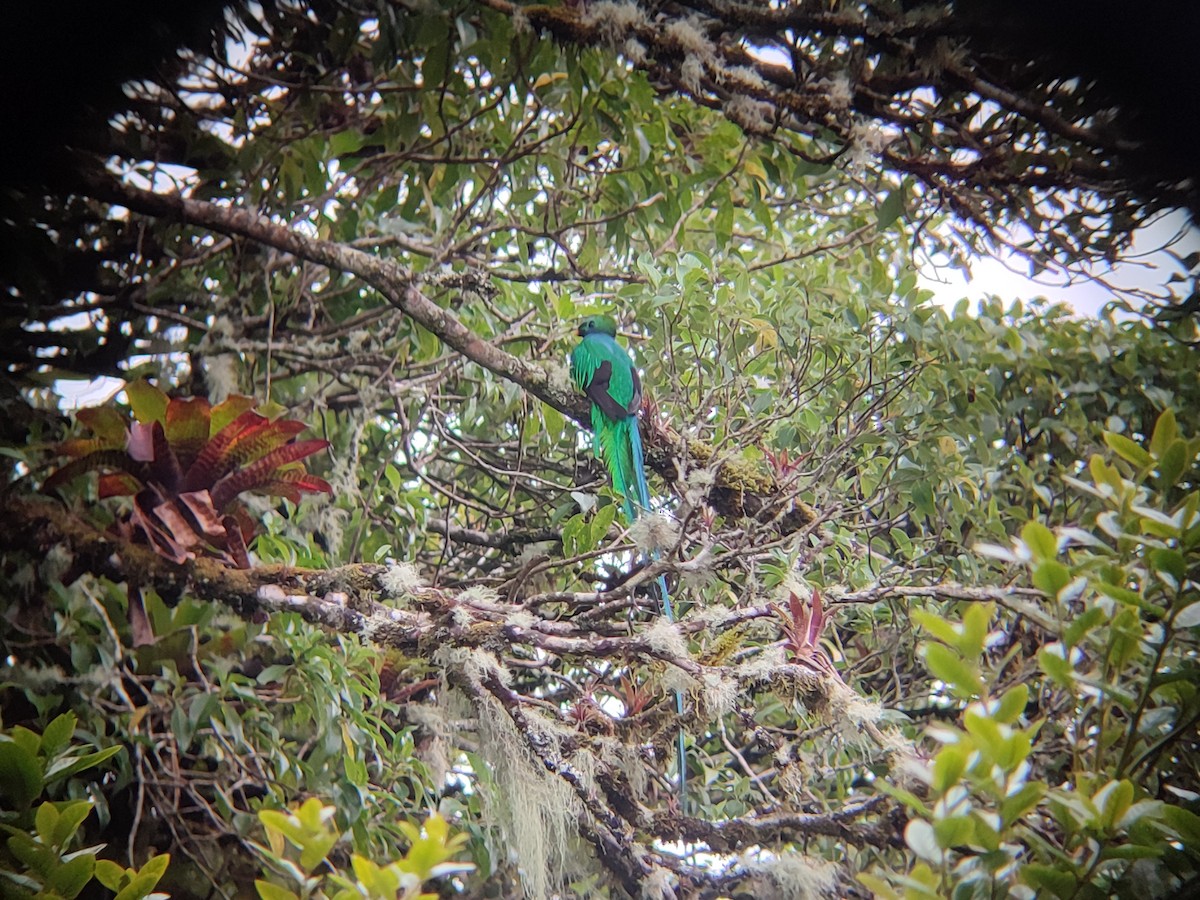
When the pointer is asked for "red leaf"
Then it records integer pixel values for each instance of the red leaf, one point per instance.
(256, 443)
(187, 427)
(263, 470)
(177, 525)
(235, 543)
(118, 485)
(165, 468)
(816, 620)
(100, 460)
(228, 410)
(200, 505)
(214, 460)
(291, 484)
(156, 533)
(139, 623)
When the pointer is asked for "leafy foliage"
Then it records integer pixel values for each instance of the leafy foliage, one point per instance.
(37, 859)
(1071, 789)
(300, 843)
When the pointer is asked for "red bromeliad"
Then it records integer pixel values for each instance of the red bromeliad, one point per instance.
(185, 462)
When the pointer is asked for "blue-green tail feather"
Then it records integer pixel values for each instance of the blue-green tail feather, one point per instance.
(643, 502)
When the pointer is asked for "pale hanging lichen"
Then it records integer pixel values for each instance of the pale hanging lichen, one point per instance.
(479, 593)
(745, 77)
(614, 20)
(535, 810)
(840, 93)
(634, 51)
(664, 637)
(654, 533)
(222, 375)
(691, 73)
(867, 141)
(690, 38)
(521, 618)
(794, 875)
(401, 579)
(659, 884)
(754, 116)
(434, 721)
(718, 695)
(478, 665)
(697, 485)
(676, 681)
(762, 666)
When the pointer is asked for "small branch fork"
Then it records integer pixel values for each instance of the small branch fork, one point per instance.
(343, 600)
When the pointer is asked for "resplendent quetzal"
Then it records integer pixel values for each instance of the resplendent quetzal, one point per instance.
(602, 369)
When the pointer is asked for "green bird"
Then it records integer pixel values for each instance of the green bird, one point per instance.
(602, 369)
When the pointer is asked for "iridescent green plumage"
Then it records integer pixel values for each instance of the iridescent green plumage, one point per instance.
(602, 369)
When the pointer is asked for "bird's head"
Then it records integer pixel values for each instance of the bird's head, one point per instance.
(598, 325)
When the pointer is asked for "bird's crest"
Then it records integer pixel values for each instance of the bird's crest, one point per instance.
(598, 325)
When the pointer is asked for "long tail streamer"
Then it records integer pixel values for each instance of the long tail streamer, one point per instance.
(643, 496)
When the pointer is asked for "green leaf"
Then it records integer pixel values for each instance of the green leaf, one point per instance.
(878, 887)
(268, 891)
(1017, 804)
(907, 797)
(1128, 450)
(1040, 540)
(1078, 627)
(890, 209)
(20, 775)
(954, 831)
(958, 675)
(275, 820)
(1056, 666)
(939, 627)
(975, 630)
(1012, 704)
(1172, 464)
(1050, 576)
(72, 876)
(110, 874)
(65, 767)
(1171, 564)
(948, 767)
(44, 821)
(1104, 474)
(156, 866)
(148, 403)
(36, 856)
(143, 883)
(1165, 432)
(1048, 878)
(1184, 823)
(58, 733)
(1113, 800)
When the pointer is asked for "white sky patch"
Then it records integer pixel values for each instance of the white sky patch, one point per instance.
(1146, 266)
